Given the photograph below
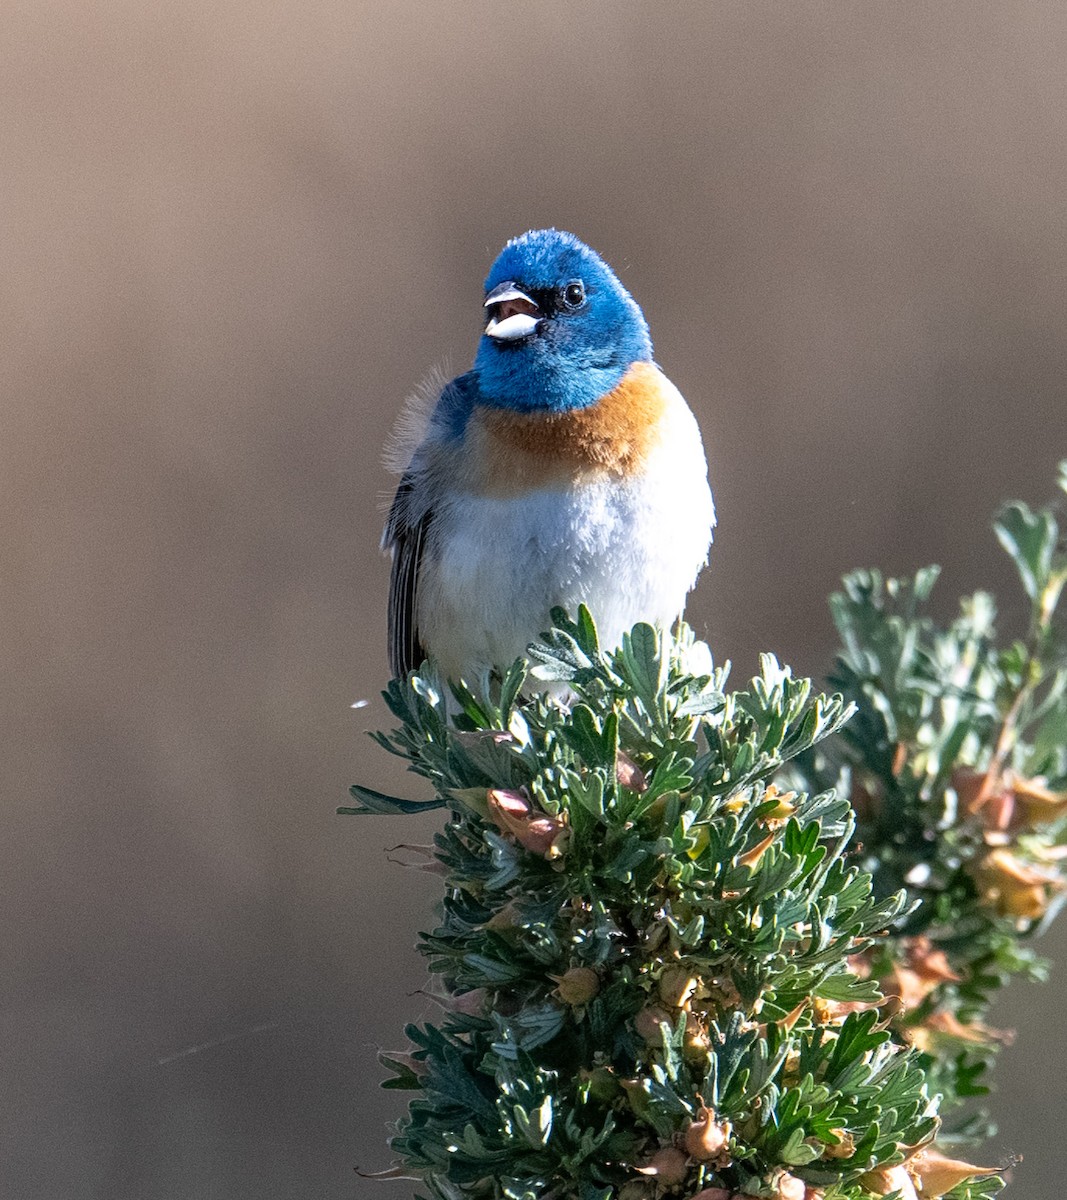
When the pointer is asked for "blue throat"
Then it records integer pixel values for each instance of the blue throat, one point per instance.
(577, 354)
(528, 379)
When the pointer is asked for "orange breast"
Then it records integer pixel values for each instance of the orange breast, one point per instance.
(517, 452)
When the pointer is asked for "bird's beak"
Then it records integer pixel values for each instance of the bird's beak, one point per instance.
(514, 314)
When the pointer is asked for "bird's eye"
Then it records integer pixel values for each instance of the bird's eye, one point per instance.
(574, 293)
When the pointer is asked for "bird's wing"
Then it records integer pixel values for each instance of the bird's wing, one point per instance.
(412, 513)
(405, 536)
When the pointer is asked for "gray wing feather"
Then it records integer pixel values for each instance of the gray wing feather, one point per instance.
(406, 539)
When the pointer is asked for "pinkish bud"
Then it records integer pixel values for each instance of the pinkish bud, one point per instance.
(788, 1187)
(667, 1166)
(629, 774)
(513, 813)
(508, 810)
(471, 1003)
(648, 1022)
(542, 835)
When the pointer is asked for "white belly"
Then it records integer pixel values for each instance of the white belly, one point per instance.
(628, 549)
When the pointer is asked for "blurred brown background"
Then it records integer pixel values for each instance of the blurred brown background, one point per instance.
(234, 237)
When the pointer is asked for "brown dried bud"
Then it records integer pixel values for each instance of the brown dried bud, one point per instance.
(677, 986)
(505, 919)
(929, 961)
(934, 1174)
(712, 1193)
(974, 789)
(844, 1147)
(706, 1137)
(948, 1024)
(751, 857)
(927, 969)
(866, 799)
(577, 986)
(1014, 887)
(697, 1043)
(888, 1180)
(636, 1189)
(785, 808)
(1040, 804)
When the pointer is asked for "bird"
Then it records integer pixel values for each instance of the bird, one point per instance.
(564, 468)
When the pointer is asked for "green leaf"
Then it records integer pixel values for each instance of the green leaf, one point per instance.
(596, 745)
(586, 634)
(405, 1079)
(1030, 538)
(510, 686)
(849, 989)
(371, 801)
(642, 662)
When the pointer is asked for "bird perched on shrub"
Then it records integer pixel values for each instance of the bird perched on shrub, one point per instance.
(564, 468)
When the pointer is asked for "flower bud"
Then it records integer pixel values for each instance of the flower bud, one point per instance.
(1041, 804)
(751, 857)
(471, 1003)
(785, 807)
(577, 986)
(787, 1186)
(844, 1147)
(974, 789)
(512, 812)
(628, 774)
(888, 1180)
(508, 810)
(696, 1043)
(706, 1137)
(1014, 887)
(543, 835)
(649, 1021)
(935, 1174)
(668, 1166)
(635, 1189)
(677, 986)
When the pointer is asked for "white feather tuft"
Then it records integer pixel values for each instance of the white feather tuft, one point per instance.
(413, 421)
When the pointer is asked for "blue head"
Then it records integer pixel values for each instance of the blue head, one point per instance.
(562, 330)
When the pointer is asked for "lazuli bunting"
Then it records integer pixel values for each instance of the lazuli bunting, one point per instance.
(564, 468)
